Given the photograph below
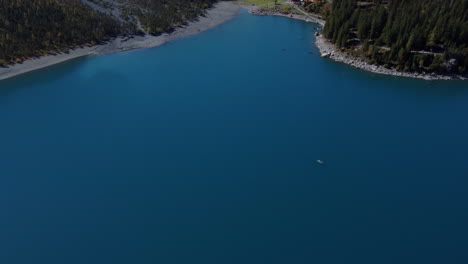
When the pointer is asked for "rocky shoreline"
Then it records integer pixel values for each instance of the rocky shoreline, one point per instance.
(264, 12)
(329, 50)
(222, 12)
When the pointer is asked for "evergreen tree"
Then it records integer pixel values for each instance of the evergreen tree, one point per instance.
(401, 32)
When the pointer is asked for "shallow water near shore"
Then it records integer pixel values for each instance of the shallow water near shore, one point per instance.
(203, 151)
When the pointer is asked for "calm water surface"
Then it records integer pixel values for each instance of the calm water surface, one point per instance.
(203, 151)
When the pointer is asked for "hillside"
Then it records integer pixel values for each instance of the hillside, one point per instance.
(416, 35)
(151, 16)
(40, 27)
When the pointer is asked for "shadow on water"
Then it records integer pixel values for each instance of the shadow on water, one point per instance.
(39, 77)
(393, 84)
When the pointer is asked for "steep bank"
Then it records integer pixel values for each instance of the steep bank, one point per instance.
(217, 15)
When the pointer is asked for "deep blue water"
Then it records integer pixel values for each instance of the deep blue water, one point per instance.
(203, 151)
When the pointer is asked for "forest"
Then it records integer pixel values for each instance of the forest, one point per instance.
(38, 27)
(320, 7)
(416, 35)
(30, 28)
(159, 16)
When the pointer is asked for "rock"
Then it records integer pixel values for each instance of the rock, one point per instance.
(451, 64)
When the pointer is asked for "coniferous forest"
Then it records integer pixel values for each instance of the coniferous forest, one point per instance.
(38, 27)
(31, 28)
(407, 35)
(159, 16)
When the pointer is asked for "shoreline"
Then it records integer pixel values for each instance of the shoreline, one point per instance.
(220, 13)
(329, 50)
(255, 10)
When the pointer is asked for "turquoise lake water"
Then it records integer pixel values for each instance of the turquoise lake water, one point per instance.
(203, 151)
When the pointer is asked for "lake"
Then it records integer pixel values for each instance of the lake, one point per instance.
(204, 150)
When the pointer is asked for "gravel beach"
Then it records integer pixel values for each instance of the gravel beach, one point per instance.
(328, 50)
(219, 14)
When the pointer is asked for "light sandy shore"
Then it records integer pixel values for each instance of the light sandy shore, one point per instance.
(219, 14)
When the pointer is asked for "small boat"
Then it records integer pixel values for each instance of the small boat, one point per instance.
(320, 162)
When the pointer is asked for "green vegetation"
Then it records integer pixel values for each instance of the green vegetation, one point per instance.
(284, 9)
(39, 27)
(416, 35)
(279, 6)
(267, 5)
(321, 7)
(159, 16)
(260, 2)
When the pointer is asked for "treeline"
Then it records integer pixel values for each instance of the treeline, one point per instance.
(159, 16)
(36, 27)
(31, 28)
(408, 35)
(321, 7)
